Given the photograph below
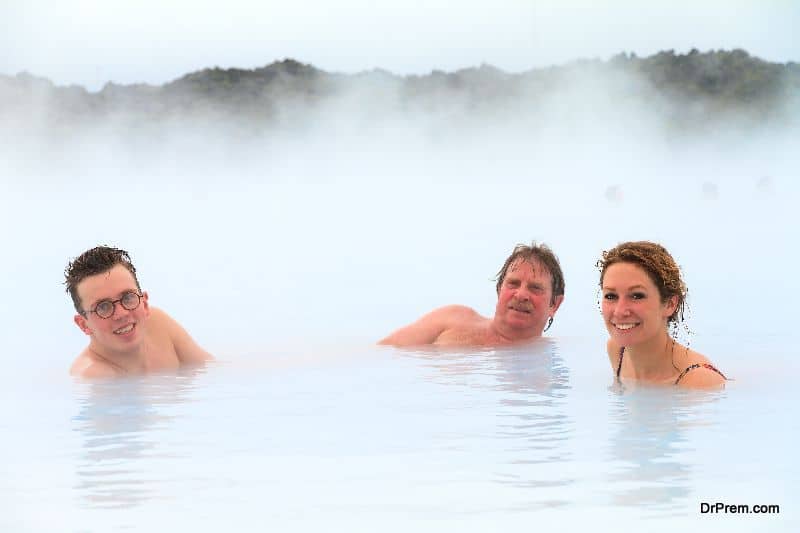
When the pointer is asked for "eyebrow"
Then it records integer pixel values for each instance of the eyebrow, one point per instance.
(635, 287)
(119, 295)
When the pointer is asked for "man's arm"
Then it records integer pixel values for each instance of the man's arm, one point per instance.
(187, 350)
(428, 328)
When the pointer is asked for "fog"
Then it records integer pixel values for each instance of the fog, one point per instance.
(151, 41)
(336, 225)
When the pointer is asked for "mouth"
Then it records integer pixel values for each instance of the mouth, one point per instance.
(519, 309)
(124, 330)
(627, 326)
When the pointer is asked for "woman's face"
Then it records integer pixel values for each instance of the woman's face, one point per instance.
(631, 305)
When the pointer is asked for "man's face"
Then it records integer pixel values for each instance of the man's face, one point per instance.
(122, 331)
(524, 300)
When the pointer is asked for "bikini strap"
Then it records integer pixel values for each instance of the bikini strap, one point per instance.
(700, 365)
(619, 366)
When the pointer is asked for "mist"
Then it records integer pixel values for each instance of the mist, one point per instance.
(346, 218)
(147, 41)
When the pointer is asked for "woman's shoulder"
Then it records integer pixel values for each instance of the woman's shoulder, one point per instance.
(699, 372)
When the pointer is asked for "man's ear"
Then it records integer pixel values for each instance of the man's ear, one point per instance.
(556, 303)
(146, 303)
(81, 322)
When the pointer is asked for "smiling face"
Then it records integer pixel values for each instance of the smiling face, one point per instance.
(632, 307)
(525, 299)
(121, 332)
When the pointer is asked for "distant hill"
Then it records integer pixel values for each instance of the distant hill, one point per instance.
(687, 90)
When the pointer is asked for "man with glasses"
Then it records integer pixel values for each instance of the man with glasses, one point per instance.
(530, 288)
(127, 336)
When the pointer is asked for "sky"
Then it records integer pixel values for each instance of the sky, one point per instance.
(91, 42)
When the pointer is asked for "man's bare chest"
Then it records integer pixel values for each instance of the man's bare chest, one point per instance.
(465, 336)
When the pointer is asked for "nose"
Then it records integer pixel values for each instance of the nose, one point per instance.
(119, 311)
(522, 294)
(622, 308)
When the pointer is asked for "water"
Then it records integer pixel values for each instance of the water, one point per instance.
(289, 263)
(376, 437)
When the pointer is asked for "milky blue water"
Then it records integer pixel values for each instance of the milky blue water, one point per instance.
(289, 261)
(372, 438)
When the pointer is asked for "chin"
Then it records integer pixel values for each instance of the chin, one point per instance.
(126, 343)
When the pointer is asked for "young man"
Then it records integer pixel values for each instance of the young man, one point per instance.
(126, 335)
(530, 288)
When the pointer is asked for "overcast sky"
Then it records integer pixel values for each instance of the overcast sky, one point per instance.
(90, 42)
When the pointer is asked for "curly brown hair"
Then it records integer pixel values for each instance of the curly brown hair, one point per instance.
(542, 254)
(91, 262)
(659, 265)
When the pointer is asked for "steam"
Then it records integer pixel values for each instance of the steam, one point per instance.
(347, 218)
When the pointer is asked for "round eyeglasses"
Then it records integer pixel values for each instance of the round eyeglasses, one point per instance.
(105, 308)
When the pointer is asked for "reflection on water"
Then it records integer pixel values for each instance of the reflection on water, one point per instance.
(651, 445)
(530, 384)
(120, 422)
(493, 439)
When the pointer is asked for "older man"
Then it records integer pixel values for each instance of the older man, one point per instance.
(530, 288)
(126, 335)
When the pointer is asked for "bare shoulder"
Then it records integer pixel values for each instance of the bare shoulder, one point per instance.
(455, 312)
(87, 367)
(702, 378)
(700, 373)
(160, 319)
(187, 350)
(427, 328)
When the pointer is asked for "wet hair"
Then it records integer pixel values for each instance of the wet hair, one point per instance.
(98, 260)
(542, 254)
(660, 267)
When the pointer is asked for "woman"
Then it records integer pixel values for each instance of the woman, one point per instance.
(642, 296)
